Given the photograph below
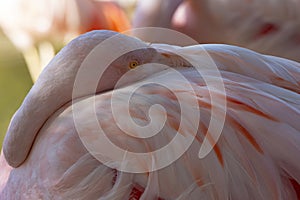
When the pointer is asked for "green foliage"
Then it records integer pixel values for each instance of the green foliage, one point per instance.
(15, 82)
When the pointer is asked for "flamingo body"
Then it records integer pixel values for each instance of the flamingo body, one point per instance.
(269, 27)
(254, 158)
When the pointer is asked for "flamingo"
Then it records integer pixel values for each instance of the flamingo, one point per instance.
(269, 27)
(255, 157)
(40, 28)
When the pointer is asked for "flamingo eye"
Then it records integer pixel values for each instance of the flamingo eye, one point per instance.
(133, 64)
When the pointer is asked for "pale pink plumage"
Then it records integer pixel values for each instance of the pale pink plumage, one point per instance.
(270, 27)
(256, 156)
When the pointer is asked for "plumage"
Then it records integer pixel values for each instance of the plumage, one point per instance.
(256, 156)
(270, 27)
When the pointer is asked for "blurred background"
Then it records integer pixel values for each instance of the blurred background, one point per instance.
(15, 81)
